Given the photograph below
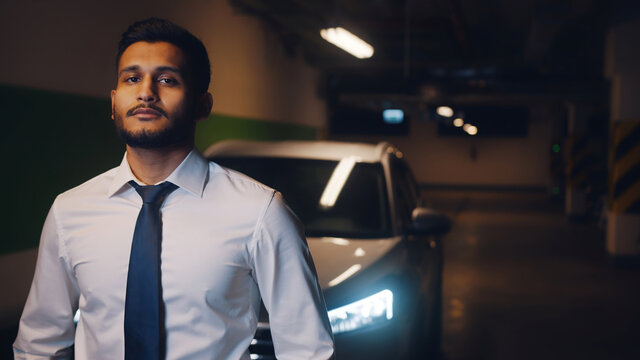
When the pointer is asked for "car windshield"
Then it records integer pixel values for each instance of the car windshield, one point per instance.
(331, 198)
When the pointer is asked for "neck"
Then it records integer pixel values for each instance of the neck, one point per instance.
(152, 166)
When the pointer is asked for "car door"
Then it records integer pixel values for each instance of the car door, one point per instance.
(426, 250)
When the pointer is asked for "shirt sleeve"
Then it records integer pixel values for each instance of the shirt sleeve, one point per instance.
(288, 284)
(46, 328)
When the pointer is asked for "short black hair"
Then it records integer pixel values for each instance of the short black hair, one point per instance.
(155, 30)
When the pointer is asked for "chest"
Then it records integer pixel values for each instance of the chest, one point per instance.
(203, 250)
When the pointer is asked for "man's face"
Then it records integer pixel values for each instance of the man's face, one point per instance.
(152, 106)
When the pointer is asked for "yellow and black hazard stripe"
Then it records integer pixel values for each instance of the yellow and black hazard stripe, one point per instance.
(583, 161)
(625, 167)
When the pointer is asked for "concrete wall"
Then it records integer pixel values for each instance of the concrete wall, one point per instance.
(70, 46)
(57, 66)
(501, 162)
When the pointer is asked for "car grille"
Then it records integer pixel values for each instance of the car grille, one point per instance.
(262, 346)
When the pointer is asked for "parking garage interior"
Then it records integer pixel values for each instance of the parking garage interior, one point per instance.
(519, 120)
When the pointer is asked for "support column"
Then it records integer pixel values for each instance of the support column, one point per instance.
(577, 154)
(621, 67)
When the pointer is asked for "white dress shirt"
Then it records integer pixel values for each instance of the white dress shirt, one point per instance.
(227, 241)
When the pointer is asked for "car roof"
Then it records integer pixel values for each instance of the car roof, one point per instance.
(321, 150)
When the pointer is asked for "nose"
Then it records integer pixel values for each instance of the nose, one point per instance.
(147, 90)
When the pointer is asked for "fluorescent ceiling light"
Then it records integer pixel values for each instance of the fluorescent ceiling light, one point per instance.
(444, 111)
(348, 42)
(345, 275)
(337, 181)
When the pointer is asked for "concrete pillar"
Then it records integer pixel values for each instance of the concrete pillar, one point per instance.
(622, 69)
(577, 152)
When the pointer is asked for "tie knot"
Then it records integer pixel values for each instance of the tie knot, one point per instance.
(153, 194)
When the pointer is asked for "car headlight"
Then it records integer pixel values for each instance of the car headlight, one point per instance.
(372, 310)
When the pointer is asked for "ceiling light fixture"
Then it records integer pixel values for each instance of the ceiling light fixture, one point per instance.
(348, 42)
(472, 130)
(458, 122)
(444, 111)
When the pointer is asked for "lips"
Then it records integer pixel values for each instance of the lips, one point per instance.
(146, 112)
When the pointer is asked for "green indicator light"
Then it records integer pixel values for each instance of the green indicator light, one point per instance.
(555, 190)
(555, 148)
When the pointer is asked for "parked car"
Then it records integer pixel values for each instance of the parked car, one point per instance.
(378, 254)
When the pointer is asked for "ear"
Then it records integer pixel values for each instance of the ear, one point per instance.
(205, 104)
(113, 105)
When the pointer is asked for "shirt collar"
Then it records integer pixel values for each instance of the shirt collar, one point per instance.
(191, 175)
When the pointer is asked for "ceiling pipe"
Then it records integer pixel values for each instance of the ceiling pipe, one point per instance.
(407, 40)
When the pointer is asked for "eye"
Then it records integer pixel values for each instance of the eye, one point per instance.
(131, 79)
(168, 81)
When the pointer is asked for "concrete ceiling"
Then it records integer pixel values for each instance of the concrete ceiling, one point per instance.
(450, 50)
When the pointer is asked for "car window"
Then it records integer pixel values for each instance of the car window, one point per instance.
(405, 190)
(410, 182)
(360, 210)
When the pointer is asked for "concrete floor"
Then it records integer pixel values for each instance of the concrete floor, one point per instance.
(521, 282)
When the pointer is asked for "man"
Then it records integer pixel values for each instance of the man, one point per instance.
(222, 240)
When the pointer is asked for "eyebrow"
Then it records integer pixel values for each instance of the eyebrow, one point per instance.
(160, 68)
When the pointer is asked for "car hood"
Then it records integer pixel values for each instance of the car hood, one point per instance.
(337, 259)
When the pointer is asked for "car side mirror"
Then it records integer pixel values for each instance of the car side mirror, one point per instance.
(428, 221)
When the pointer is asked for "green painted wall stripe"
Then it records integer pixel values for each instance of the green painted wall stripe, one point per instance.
(54, 141)
(219, 127)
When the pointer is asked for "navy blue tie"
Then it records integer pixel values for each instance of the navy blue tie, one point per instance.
(144, 335)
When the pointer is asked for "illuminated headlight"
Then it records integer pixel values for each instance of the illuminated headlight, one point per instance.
(372, 310)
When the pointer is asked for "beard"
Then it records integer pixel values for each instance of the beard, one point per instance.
(180, 130)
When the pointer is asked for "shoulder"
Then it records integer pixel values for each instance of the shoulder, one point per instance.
(96, 186)
(236, 194)
(220, 176)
